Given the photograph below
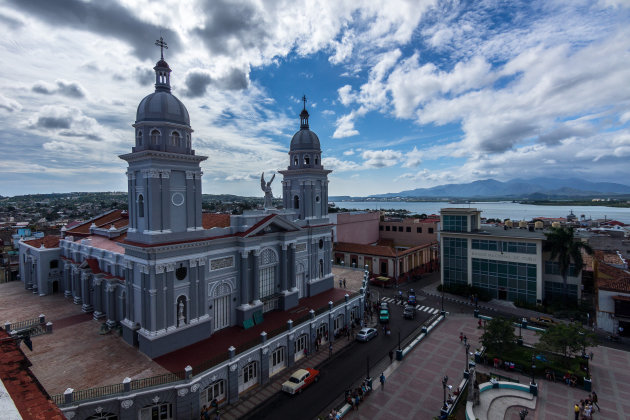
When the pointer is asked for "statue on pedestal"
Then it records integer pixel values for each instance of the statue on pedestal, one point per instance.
(266, 187)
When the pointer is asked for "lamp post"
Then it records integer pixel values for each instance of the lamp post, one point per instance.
(533, 367)
(533, 388)
(442, 312)
(444, 382)
(466, 372)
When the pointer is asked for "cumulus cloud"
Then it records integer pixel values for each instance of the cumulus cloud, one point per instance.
(197, 82)
(65, 121)
(381, 158)
(348, 152)
(144, 76)
(9, 104)
(61, 87)
(339, 165)
(345, 126)
(413, 158)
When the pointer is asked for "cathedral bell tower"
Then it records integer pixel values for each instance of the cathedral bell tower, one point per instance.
(305, 184)
(164, 176)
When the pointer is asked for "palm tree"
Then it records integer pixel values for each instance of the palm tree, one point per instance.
(566, 249)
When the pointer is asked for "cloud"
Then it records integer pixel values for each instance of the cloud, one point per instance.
(61, 87)
(10, 22)
(381, 158)
(65, 121)
(339, 165)
(105, 18)
(144, 76)
(348, 152)
(345, 126)
(413, 158)
(9, 104)
(197, 82)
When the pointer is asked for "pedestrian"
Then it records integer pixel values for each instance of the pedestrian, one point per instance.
(595, 400)
(391, 356)
(479, 324)
(340, 282)
(344, 282)
(461, 337)
(330, 350)
(382, 381)
(465, 340)
(576, 409)
(348, 333)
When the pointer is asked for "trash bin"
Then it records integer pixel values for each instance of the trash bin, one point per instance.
(399, 355)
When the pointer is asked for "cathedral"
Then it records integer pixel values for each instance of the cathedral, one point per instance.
(169, 274)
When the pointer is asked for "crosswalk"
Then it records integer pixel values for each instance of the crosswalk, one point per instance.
(420, 308)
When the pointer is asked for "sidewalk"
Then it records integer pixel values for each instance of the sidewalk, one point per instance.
(413, 389)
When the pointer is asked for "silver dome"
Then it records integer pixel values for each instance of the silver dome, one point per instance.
(164, 107)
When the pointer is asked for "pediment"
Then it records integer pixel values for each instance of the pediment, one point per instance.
(274, 224)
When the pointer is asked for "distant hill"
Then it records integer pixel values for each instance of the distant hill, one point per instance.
(536, 188)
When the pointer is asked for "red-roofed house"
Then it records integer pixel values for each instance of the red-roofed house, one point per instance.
(613, 295)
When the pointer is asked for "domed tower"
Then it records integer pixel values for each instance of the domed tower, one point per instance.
(164, 176)
(305, 184)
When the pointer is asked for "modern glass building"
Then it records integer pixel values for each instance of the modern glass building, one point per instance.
(508, 263)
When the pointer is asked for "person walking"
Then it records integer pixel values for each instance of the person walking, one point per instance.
(340, 282)
(382, 381)
(461, 337)
(330, 350)
(595, 400)
(391, 356)
(576, 409)
(344, 282)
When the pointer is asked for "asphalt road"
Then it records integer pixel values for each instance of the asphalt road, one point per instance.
(340, 372)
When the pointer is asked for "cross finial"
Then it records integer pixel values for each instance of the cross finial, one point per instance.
(304, 100)
(162, 44)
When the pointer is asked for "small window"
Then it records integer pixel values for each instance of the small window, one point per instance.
(321, 243)
(408, 229)
(54, 264)
(296, 202)
(180, 273)
(419, 230)
(380, 227)
(155, 137)
(316, 161)
(140, 206)
(139, 138)
(387, 228)
(307, 160)
(175, 139)
(295, 162)
(400, 229)
(317, 199)
(430, 230)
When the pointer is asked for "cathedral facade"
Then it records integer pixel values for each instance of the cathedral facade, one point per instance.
(170, 275)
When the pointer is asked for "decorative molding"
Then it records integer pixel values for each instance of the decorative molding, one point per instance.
(234, 367)
(70, 414)
(156, 399)
(182, 392)
(301, 247)
(111, 287)
(195, 388)
(221, 263)
(201, 261)
(265, 350)
(190, 175)
(126, 404)
(98, 409)
(166, 173)
(150, 173)
(170, 267)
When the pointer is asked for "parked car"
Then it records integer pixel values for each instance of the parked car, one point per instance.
(300, 379)
(366, 334)
(411, 299)
(384, 305)
(543, 321)
(384, 316)
(409, 312)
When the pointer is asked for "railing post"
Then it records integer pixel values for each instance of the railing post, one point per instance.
(312, 313)
(7, 326)
(231, 352)
(330, 305)
(127, 384)
(346, 297)
(263, 337)
(67, 396)
(49, 327)
(290, 324)
(188, 372)
(42, 319)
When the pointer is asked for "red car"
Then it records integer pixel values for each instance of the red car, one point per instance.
(300, 379)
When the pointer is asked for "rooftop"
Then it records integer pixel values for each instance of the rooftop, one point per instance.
(506, 233)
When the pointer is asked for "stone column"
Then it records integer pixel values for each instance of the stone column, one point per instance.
(264, 364)
(256, 277)
(192, 285)
(244, 277)
(232, 383)
(291, 269)
(202, 304)
(283, 268)
(85, 293)
(110, 291)
(97, 288)
(67, 274)
(76, 285)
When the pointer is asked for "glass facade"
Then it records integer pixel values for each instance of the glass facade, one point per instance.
(503, 246)
(555, 290)
(505, 280)
(455, 223)
(552, 267)
(455, 263)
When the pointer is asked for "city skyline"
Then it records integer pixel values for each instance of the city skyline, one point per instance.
(403, 95)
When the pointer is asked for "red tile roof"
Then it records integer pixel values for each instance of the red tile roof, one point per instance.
(103, 221)
(28, 395)
(51, 241)
(210, 220)
(107, 244)
(611, 278)
(378, 250)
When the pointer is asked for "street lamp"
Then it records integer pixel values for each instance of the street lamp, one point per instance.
(466, 373)
(444, 382)
(533, 367)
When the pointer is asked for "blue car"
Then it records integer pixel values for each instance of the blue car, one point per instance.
(411, 299)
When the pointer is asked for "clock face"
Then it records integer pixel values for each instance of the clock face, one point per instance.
(177, 199)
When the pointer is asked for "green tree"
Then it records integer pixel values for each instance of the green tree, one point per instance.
(565, 249)
(498, 335)
(567, 340)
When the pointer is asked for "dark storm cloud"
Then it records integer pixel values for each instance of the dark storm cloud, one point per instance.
(53, 122)
(236, 80)
(69, 89)
(505, 136)
(102, 17)
(82, 135)
(559, 134)
(229, 25)
(196, 84)
(144, 76)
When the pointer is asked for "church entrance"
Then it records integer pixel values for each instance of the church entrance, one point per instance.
(249, 376)
(299, 281)
(221, 306)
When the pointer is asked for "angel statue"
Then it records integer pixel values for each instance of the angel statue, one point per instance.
(266, 187)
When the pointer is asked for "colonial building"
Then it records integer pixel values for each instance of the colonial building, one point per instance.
(508, 263)
(171, 276)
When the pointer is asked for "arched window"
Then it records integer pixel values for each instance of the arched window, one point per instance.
(175, 139)
(139, 138)
(316, 160)
(181, 311)
(103, 416)
(295, 161)
(296, 202)
(155, 137)
(188, 141)
(307, 160)
(268, 263)
(216, 391)
(140, 206)
(321, 268)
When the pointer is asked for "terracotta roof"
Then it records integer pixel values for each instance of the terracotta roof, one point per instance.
(612, 278)
(93, 263)
(378, 250)
(107, 244)
(210, 220)
(51, 241)
(102, 221)
(28, 395)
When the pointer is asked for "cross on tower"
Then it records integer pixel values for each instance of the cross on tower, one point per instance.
(304, 100)
(162, 44)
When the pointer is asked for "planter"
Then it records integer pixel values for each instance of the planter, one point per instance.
(588, 384)
(533, 389)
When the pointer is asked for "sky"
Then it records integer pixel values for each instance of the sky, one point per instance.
(402, 94)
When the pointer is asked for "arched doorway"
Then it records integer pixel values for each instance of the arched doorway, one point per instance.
(221, 306)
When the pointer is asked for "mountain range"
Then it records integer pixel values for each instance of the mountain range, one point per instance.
(533, 189)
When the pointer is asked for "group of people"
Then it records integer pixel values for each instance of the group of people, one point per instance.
(206, 411)
(356, 396)
(342, 282)
(585, 407)
(570, 379)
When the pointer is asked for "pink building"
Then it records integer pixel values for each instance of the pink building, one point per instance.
(409, 231)
(357, 227)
